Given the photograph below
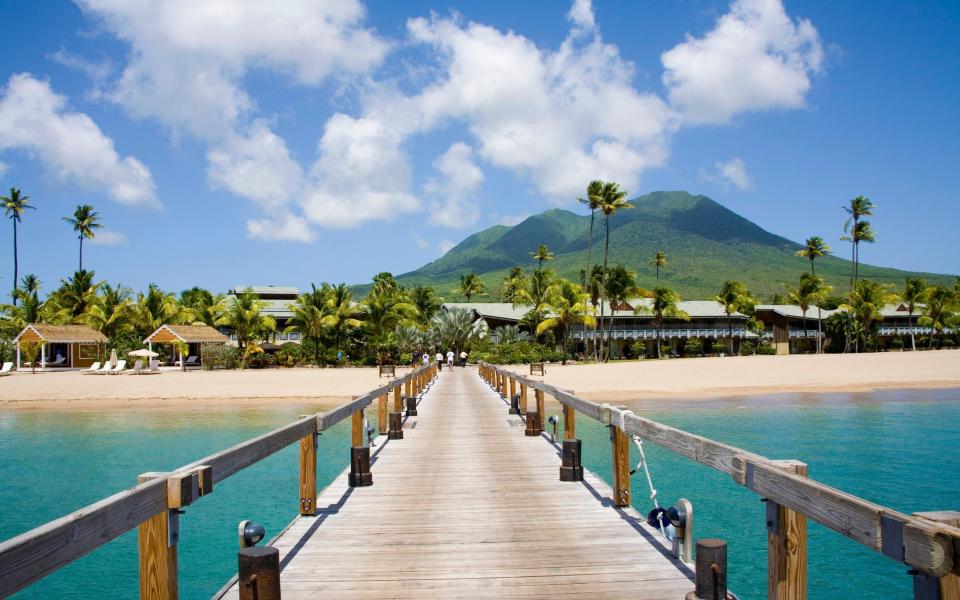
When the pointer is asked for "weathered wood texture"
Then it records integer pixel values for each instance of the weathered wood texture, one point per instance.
(620, 451)
(473, 514)
(787, 549)
(933, 548)
(569, 423)
(308, 475)
(158, 558)
(382, 415)
(949, 583)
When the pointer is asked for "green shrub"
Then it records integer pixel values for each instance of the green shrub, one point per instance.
(290, 355)
(748, 348)
(947, 343)
(719, 347)
(220, 357)
(7, 351)
(896, 343)
(766, 350)
(516, 353)
(693, 347)
(638, 349)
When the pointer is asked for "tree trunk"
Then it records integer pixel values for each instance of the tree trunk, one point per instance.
(730, 331)
(15, 275)
(806, 338)
(913, 334)
(819, 330)
(81, 251)
(659, 334)
(606, 254)
(586, 274)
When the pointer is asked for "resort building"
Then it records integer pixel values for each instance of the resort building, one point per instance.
(789, 330)
(277, 300)
(496, 314)
(61, 346)
(195, 336)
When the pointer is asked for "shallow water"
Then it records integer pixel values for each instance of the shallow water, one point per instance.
(896, 448)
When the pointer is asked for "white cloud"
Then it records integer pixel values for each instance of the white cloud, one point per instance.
(106, 237)
(284, 228)
(581, 15)
(70, 145)
(756, 58)
(445, 246)
(98, 72)
(4, 167)
(730, 173)
(512, 220)
(454, 201)
(420, 242)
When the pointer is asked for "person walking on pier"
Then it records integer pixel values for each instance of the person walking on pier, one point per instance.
(450, 358)
(426, 357)
(463, 359)
(439, 361)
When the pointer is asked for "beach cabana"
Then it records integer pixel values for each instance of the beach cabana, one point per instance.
(195, 336)
(62, 346)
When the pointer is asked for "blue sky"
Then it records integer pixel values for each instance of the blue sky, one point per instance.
(306, 141)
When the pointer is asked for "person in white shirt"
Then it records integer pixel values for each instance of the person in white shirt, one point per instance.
(450, 358)
(426, 358)
(439, 361)
(463, 359)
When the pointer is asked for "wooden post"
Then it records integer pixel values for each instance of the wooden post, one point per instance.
(949, 583)
(360, 475)
(787, 546)
(571, 468)
(523, 398)
(308, 475)
(513, 388)
(540, 406)
(382, 415)
(258, 573)
(569, 423)
(397, 399)
(620, 446)
(408, 388)
(535, 419)
(396, 423)
(158, 556)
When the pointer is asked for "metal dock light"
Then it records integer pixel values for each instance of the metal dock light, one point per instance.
(553, 420)
(258, 567)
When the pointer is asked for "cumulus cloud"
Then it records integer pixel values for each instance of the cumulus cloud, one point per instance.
(106, 237)
(454, 201)
(285, 227)
(732, 172)
(445, 246)
(421, 243)
(36, 120)
(512, 220)
(581, 15)
(755, 58)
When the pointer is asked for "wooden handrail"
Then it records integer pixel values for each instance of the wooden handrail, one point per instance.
(930, 547)
(34, 554)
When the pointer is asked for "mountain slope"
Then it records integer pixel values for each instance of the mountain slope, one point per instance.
(705, 243)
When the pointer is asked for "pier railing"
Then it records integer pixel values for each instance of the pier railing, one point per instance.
(929, 543)
(153, 505)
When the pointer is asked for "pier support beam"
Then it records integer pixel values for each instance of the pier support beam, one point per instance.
(523, 398)
(786, 546)
(360, 475)
(382, 415)
(571, 468)
(949, 583)
(535, 418)
(396, 419)
(620, 450)
(308, 475)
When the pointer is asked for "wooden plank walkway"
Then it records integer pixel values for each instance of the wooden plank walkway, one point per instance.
(466, 506)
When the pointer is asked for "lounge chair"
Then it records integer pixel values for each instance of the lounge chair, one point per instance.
(137, 367)
(59, 361)
(121, 365)
(191, 361)
(93, 368)
(5, 370)
(105, 368)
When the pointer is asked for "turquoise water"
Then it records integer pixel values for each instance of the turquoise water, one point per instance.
(896, 448)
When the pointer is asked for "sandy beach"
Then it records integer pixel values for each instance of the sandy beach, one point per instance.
(641, 384)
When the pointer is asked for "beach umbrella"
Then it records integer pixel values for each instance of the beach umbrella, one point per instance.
(113, 357)
(143, 353)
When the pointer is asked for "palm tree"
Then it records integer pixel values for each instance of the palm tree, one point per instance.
(535, 294)
(30, 310)
(384, 310)
(664, 303)
(861, 232)
(568, 305)
(938, 313)
(865, 302)
(111, 312)
(735, 298)
(619, 287)
(512, 285)
(810, 290)
(612, 199)
(85, 221)
(509, 334)
(244, 316)
(594, 191)
(815, 248)
(30, 283)
(311, 317)
(74, 296)
(427, 303)
(913, 294)
(13, 207)
(454, 329)
(343, 311)
(470, 285)
(861, 206)
(156, 307)
(659, 260)
(542, 254)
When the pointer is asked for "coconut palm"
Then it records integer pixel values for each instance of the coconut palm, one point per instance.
(568, 305)
(471, 285)
(813, 249)
(535, 295)
(542, 254)
(594, 191)
(861, 232)
(914, 291)
(385, 282)
(311, 317)
(384, 310)
(509, 334)
(456, 328)
(811, 290)
(659, 261)
(865, 302)
(612, 199)
(156, 307)
(85, 221)
(664, 302)
(30, 309)
(74, 296)
(939, 311)
(860, 207)
(111, 312)
(514, 283)
(427, 303)
(244, 316)
(735, 298)
(13, 206)
(620, 286)
(343, 311)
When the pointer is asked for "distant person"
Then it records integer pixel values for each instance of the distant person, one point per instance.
(439, 361)
(450, 358)
(463, 359)
(426, 358)
(416, 358)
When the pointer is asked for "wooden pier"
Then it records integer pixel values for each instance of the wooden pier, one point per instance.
(467, 506)
(468, 497)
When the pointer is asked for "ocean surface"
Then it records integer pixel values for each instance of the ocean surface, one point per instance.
(898, 448)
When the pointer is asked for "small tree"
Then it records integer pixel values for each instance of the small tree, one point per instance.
(30, 351)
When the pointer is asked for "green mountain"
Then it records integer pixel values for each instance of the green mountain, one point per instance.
(705, 243)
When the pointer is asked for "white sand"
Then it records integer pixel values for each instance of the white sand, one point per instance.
(639, 383)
